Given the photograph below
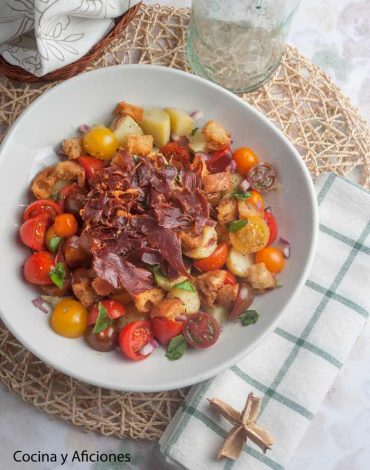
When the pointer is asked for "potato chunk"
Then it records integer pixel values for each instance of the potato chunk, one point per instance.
(217, 182)
(181, 122)
(123, 127)
(198, 142)
(169, 308)
(73, 148)
(140, 144)
(147, 299)
(156, 122)
(216, 135)
(260, 277)
(206, 246)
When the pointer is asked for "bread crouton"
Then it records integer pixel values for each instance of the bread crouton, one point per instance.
(227, 295)
(73, 148)
(227, 210)
(127, 109)
(200, 165)
(259, 277)
(83, 290)
(217, 182)
(216, 135)
(42, 184)
(147, 299)
(208, 286)
(189, 240)
(140, 144)
(169, 308)
(70, 171)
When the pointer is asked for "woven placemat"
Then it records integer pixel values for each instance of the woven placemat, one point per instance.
(326, 129)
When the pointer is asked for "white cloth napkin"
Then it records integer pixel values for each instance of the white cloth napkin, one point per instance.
(294, 368)
(43, 35)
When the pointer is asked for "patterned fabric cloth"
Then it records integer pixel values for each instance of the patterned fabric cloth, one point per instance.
(43, 35)
(294, 368)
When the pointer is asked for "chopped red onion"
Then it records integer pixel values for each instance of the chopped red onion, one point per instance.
(196, 115)
(204, 155)
(147, 349)
(84, 127)
(38, 302)
(175, 137)
(154, 343)
(231, 166)
(61, 152)
(183, 141)
(244, 185)
(285, 241)
(181, 318)
(286, 251)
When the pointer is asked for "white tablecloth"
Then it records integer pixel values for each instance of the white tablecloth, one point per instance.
(335, 34)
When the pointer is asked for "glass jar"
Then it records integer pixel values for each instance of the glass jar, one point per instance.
(238, 43)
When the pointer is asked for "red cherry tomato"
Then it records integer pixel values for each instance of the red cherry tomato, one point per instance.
(272, 223)
(230, 278)
(219, 160)
(90, 164)
(37, 268)
(201, 330)
(175, 148)
(165, 329)
(32, 232)
(215, 261)
(133, 337)
(114, 310)
(42, 206)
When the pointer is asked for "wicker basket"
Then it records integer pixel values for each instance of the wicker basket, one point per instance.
(17, 73)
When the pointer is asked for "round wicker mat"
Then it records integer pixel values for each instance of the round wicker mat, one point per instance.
(328, 132)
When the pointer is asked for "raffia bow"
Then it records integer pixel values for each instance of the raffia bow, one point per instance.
(244, 427)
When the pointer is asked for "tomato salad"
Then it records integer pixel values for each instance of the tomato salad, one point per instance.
(153, 231)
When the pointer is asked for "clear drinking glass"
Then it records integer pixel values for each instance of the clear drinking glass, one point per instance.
(238, 43)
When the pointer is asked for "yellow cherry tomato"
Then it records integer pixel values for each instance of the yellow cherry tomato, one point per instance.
(272, 257)
(252, 237)
(256, 198)
(69, 318)
(100, 142)
(245, 159)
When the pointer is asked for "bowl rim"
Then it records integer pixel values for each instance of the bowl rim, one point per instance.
(209, 373)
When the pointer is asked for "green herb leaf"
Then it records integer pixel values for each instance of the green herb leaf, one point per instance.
(157, 273)
(242, 195)
(58, 274)
(194, 131)
(103, 321)
(249, 317)
(176, 348)
(186, 285)
(237, 225)
(54, 243)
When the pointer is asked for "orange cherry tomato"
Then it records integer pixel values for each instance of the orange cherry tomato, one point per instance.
(69, 318)
(65, 225)
(245, 159)
(252, 237)
(215, 261)
(100, 142)
(256, 198)
(272, 257)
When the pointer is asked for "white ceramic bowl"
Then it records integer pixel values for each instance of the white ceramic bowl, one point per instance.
(90, 98)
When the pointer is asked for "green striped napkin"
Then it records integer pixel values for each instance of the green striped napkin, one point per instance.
(295, 366)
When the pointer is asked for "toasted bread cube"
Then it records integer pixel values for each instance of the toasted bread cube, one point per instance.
(147, 299)
(216, 135)
(140, 144)
(227, 295)
(260, 277)
(169, 308)
(208, 286)
(127, 109)
(73, 148)
(227, 211)
(217, 182)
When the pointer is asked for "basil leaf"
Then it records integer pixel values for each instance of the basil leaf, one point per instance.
(241, 194)
(237, 225)
(176, 348)
(249, 317)
(58, 274)
(194, 131)
(186, 285)
(103, 321)
(54, 243)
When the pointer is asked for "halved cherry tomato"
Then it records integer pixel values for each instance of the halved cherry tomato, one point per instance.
(174, 148)
(32, 231)
(272, 223)
(37, 268)
(133, 337)
(252, 237)
(245, 159)
(272, 257)
(104, 341)
(100, 142)
(263, 177)
(113, 307)
(165, 329)
(219, 160)
(230, 278)
(215, 261)
(69, 318)
(243, 301)
(65, 225)
(201, 330)
(42, 206)
(90, 164)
